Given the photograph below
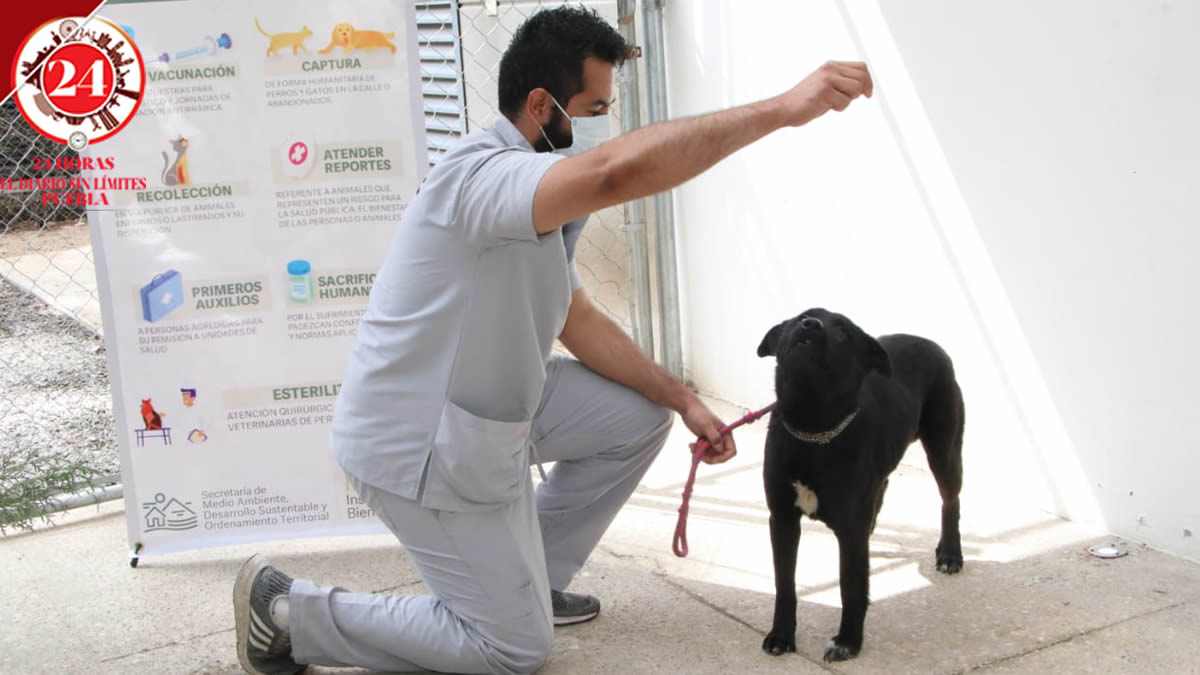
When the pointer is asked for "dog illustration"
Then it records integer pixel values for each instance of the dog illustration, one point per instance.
(284, 40)
(349, 38)
(150, 416)
(176, 173)
(848, 406)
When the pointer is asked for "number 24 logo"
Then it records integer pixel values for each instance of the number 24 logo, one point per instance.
(66, 84)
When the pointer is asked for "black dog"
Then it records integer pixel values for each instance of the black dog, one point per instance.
(848, 406)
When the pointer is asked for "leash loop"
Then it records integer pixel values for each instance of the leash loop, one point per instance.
(679, 544)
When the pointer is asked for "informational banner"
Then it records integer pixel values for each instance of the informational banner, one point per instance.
(238, 222)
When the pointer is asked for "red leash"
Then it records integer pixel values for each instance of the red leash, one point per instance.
(679, 545)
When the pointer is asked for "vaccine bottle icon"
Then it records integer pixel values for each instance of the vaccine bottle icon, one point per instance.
(300, 286)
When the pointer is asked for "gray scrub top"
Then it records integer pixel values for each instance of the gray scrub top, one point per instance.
(450, 359)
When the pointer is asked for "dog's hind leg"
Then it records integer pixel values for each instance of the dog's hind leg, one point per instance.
(878, 506)
(785, 540)
(941, 432)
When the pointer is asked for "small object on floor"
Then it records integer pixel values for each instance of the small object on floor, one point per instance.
(1108, 550)
(570, 608)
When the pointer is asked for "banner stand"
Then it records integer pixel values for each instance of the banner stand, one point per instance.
(238, 222)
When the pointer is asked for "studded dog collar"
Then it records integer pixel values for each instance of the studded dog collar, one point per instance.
(821, 437)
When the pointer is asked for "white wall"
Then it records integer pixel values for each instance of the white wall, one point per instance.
(1017, 191)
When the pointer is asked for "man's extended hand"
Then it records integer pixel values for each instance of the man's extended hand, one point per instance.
(831, 87)
(703, 422)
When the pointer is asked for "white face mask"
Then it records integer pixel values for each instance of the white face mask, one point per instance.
(586, 132)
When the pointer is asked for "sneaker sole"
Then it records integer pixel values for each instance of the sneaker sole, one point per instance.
(241, 607)
(571, 620)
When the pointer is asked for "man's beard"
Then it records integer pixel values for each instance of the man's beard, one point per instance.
(559, 137)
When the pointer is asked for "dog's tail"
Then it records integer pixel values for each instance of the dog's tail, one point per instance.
(260, 28)
(389, 35)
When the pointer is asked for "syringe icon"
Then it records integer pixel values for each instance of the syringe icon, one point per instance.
(211, 46)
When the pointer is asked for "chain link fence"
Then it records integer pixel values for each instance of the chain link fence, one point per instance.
(56, 428)
(56, 423)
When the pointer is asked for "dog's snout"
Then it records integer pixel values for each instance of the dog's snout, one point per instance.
(811, 323)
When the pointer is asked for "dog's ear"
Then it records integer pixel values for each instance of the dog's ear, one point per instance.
(770, 341)
(879, 358)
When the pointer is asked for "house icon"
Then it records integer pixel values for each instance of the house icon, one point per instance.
(168, 514)
(155, 519)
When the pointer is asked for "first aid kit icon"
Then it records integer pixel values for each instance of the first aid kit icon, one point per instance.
(162, 295)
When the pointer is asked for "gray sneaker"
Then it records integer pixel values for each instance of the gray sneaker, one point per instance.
(572, 608)
(262, 646)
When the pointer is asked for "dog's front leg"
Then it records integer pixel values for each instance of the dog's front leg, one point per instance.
(785, 539)
(854, 554)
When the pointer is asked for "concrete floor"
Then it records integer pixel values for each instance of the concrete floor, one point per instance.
(1030, 599)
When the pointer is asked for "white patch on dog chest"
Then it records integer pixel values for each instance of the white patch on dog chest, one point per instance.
(805, 499)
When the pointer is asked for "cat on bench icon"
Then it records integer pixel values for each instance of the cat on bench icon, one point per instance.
(153, 421)
(192, 419)
(176, 172)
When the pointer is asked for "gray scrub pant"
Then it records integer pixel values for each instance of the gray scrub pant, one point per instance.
(491, 572)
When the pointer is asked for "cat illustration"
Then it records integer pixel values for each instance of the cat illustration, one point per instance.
(349, 38)
(284, 40)
(150, 416)
(176, 173)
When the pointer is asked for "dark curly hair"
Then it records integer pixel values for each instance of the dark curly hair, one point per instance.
(548, 51)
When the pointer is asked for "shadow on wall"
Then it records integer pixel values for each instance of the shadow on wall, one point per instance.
(1061, 204)
(840, 215)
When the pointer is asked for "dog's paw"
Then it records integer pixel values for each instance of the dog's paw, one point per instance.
(950, 565)
(779, 642)
(949, 562)
(834, 651)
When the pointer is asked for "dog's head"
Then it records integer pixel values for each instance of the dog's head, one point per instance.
(342, 33)
(826, 349)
